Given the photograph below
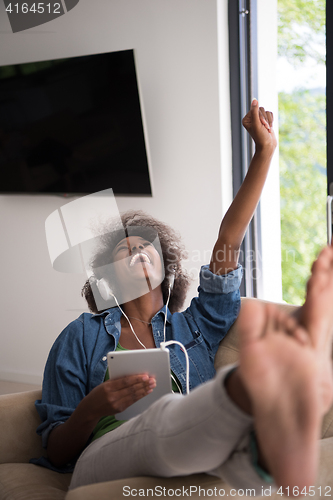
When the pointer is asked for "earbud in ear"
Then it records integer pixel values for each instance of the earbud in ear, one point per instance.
(171, 278)
(104, 289)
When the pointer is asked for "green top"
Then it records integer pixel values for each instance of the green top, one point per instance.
(109, 422)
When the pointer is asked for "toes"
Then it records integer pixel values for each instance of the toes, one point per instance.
(295, 330)
(284, 323)
(301, 336)
(287, 325)
(290, 325)
(322, 270)
(324, 261)
(273, 319)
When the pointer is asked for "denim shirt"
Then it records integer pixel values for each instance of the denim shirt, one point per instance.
(77, 361)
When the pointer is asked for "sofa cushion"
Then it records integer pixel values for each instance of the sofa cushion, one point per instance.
(31, 482)
(19, 421)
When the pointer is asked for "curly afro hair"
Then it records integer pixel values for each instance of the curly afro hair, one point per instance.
(141, 224)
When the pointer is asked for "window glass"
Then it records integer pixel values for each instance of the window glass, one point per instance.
(301, 80)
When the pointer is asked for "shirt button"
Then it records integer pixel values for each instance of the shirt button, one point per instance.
(104, 358)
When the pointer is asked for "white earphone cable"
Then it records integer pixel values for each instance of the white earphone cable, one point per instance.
(130, 324)
(164, 344)
(166, 313)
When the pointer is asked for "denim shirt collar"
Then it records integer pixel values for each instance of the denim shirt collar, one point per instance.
(112, 320)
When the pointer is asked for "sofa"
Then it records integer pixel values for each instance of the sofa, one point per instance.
(20, 480)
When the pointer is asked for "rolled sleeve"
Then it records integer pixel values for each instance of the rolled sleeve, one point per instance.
(226, 283)
(217, 306)
(47, 432)
(51, 416)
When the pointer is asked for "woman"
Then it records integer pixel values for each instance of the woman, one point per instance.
(177, 435)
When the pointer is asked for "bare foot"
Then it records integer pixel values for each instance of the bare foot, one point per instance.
(281, 370)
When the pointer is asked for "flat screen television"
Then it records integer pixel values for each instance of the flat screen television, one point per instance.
(73, 126)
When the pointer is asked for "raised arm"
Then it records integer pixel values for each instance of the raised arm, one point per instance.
(258, 123)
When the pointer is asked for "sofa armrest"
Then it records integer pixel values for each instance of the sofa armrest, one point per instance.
(19, 420)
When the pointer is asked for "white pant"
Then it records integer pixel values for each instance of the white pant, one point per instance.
(178, 435)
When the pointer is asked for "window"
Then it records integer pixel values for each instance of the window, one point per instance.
(301, 76)
(285, 245)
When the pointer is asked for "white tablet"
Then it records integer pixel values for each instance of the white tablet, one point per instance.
(155, 362)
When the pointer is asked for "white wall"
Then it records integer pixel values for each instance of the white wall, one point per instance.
(176, 43)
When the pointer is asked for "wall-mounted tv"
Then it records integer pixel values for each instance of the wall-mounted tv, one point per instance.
(73, 126)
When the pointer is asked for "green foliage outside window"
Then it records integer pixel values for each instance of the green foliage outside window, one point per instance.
(302, 124)
(302, 148)
(301, 28)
